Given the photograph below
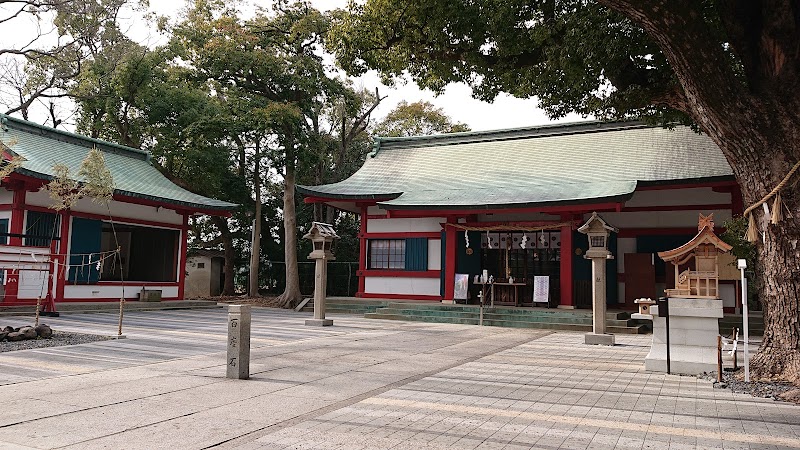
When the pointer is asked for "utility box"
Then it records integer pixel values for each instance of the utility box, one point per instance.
(150, 295)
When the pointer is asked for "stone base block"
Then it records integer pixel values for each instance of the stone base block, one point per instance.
(449, 302)
(598, 339)
(319, 322)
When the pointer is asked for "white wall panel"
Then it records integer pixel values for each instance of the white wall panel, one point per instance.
(672, 197)
(624, 245)
(401, 285)
(727, 292)
(661, 219)
(119, 210)
(426, 224)
(434, 254)
(99, 291)
(6, 197)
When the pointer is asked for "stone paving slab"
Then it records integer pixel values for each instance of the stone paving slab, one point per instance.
(366, 384)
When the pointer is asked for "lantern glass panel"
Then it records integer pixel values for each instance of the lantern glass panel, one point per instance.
(597, 241)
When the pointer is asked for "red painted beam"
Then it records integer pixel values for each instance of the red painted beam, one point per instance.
(400, 273)
(710, 207)
(434, 298)
(565, 269)
(63, 250)
(184, 237)
(711, 184)
(362, 250)
(633, 232)
(450, 213)
(450, 261)
(402, 235)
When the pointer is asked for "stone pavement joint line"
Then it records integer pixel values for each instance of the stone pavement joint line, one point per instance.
(365, 384)
(585, 422)
(355, 399)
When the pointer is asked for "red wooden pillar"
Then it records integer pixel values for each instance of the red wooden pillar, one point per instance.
(362, 252)
(18, 228)
(567, 300)
(63, 250)
(182, 256)
(450, 260)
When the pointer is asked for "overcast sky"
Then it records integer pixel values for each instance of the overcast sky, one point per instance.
(456, 101)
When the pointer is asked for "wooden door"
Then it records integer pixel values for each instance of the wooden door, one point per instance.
(640, 277)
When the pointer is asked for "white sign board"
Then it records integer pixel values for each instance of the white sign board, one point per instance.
(541, 289)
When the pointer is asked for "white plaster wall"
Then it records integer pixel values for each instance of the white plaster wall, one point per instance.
(118, 209)
(660, 219)
(727, 292)
(198, 281)
(114, 292)
(624, 245)
(6, 215)
(32, 284)
(518, 217)
(376, 211)
(426, 224)
(434, 254)
(6, 197)
(401, 285)
(672, 197)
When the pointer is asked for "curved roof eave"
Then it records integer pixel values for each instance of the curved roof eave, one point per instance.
(219, 206)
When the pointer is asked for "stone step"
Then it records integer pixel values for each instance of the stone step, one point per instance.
(505, 323)
(502, 314)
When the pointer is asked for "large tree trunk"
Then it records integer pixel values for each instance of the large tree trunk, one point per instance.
(754, 121)
(291, 294)
(230, 254)
(778, 267)
(255, 253)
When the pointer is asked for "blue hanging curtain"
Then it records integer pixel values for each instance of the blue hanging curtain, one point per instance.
(84, 250)
(417, 254)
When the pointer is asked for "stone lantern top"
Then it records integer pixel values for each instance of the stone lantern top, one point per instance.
(598, 231)
(322, 236)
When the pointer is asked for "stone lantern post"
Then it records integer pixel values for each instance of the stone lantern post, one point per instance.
(321, 236)
(598, 231)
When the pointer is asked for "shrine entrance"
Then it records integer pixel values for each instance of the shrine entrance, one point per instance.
(514, 258)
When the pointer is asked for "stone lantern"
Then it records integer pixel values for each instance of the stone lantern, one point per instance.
(321, 236)
(598, 231)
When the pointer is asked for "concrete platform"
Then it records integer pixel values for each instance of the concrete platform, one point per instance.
(365, 384)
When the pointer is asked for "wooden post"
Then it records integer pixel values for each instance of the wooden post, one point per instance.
(719, 358)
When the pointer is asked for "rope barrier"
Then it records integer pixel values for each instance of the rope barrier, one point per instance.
(509, 227)
(777, 213)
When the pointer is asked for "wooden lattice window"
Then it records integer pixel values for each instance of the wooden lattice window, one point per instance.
(387, 254)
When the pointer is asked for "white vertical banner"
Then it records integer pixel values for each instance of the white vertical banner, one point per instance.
(541, 289)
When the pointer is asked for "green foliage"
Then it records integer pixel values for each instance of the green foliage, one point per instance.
(98, 184)
(575, 56)
(417, 119)
(734, 235)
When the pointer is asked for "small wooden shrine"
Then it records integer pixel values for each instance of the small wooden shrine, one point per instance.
(697, 263)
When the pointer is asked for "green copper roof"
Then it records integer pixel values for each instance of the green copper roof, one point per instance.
(43, 147)
(584, 162)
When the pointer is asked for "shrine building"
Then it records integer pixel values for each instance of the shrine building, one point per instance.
(90, 252)
(438, 210)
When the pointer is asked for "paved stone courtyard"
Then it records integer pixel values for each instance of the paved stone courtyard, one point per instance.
(363, 384)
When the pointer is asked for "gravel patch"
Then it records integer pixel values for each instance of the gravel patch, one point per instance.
(59, 338)
(763, 389)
